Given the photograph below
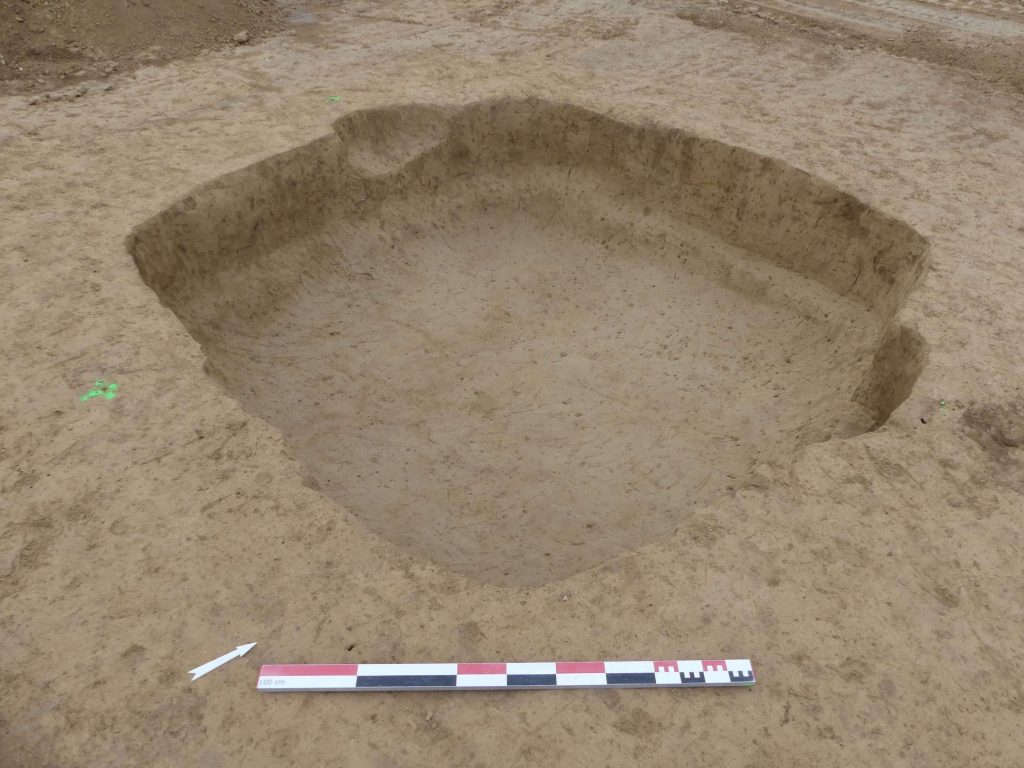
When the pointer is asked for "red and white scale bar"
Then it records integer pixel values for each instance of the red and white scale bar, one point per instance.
(693, 673)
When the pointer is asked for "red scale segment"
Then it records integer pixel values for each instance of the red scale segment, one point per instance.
(482, 669)
(308, 670)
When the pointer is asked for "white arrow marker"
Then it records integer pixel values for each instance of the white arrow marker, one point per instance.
(212, 665)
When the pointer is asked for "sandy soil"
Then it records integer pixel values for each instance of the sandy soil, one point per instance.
(46, 44)
(521, 338)
(874, 579)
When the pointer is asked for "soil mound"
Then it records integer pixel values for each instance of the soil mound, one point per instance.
(520, 338)
(47, 42)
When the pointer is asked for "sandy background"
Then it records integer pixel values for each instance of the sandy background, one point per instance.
(875, 582)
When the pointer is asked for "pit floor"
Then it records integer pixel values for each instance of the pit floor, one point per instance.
(875, 581)
(504, 394)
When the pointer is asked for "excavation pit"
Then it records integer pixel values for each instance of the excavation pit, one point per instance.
(520, 338)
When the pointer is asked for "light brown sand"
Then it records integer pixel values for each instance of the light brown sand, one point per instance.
(874, 580)
(522, 338)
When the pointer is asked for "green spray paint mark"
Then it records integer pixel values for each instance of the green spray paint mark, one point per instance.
(101, 389)
(334, 99)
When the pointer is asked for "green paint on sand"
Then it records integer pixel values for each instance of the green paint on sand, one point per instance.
(103, 389)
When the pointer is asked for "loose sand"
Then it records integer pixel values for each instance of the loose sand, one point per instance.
(374, 365)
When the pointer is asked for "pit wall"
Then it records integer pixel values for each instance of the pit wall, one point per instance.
(777, 212)
(767, 207)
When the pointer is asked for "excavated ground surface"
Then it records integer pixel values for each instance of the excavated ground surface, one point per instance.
(518, 340)
(875, 580)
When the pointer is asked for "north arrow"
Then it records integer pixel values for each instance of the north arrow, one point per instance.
(212, 665)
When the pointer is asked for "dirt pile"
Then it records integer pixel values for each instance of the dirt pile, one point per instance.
(50, 42)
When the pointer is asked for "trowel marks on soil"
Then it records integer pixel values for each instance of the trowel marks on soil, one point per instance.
(520, 338)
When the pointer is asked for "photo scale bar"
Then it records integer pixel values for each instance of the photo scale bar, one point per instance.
(503, 676)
